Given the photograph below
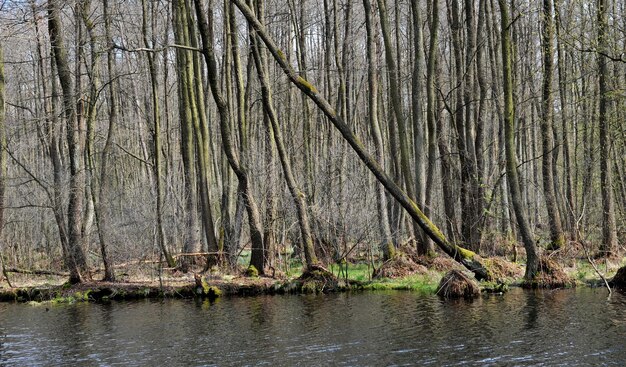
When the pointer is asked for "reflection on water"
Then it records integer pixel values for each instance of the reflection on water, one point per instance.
(571, 327)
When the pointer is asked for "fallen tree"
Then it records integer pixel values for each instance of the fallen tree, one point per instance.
(466, 257)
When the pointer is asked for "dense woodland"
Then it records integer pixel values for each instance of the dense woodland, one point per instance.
(312, 130)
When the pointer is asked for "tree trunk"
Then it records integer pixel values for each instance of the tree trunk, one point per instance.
(157, 169)
(296, 194)
(609, 233)
(396, 104)
(257, 258)
(98, 188)
(3, 160)
(557, 239)
(570, 204)
(76, 144)
(431, 105)
(386, 241)
(532, 260)
(469, 259)
(424, 246)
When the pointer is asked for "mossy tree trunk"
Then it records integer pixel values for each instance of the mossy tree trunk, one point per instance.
(202, 140)
(55, 153)
(188, 116)
(557, 238)
(532, 261)
(463, 256)
(609, 232)
(431, 103)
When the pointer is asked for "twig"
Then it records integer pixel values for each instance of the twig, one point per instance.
(584, 245)
(593, 264)
(35, 272)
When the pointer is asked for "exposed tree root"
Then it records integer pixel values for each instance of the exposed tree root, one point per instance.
(550, 275)
(455, 284)
(619, 280)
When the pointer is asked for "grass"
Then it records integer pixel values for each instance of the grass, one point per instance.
(424, 283)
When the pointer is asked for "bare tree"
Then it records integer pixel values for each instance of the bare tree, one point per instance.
(76, 143)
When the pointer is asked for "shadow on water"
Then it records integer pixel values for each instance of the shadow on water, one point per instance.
(567, 327)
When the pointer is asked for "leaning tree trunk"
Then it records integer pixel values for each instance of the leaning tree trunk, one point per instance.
(467, 258)
(532, 261)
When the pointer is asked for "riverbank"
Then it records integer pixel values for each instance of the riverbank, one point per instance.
(355, 277)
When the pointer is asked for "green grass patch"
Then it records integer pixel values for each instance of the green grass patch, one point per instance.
(359, 272)
(423, 283)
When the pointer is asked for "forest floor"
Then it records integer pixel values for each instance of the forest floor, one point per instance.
(148, 283)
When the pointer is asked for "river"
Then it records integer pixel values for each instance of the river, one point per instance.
(563, 327)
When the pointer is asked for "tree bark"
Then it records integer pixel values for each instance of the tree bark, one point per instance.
(396, 104)
(205, 23)
(76, 144)
(609, 232)
(532, 260)
(386, 242)
(557, 238)
(296, 194)
(424, 246)
(97, 188)
(3, 160)
(157, 169)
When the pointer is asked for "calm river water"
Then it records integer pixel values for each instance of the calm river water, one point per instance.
(565, 327)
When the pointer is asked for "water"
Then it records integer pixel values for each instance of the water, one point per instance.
(571, 327)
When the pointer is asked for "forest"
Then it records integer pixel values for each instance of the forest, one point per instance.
(252, 136)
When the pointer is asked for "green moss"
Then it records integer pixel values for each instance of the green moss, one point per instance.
(252, 271)
(311, 286)
(210, 291)
(281, 54)
(494, 287)
(213, 292)
(433, 228)
(306, 85)
(465, 253)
